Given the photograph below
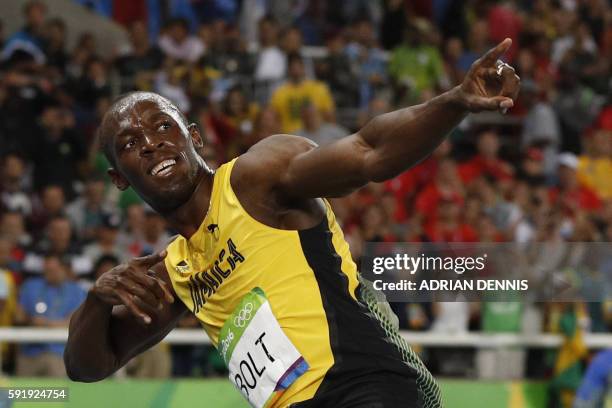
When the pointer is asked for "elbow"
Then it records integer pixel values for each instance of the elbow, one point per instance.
(83, 371)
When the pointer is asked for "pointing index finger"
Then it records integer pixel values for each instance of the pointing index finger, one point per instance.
(150, 260)
(493, 54)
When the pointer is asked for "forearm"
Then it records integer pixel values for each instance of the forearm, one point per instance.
(398, 140)
(89, 354)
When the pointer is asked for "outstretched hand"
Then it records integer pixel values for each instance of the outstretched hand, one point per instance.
(490, 84)
(134, 285)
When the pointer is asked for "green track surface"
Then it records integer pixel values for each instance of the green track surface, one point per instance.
(219, 393)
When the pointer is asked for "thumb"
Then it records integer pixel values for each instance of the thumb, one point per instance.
(150, 260)
(480, 103)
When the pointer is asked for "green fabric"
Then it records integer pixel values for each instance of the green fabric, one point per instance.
(421, 66)
(502, 317)
(236, 324)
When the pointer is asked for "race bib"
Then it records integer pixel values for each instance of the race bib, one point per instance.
(261, 359)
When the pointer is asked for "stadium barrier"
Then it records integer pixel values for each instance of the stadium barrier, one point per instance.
(432, 339)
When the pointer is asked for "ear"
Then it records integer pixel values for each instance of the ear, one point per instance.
(118, 180)
(194, 132)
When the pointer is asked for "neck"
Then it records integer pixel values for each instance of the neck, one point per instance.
(187, 218)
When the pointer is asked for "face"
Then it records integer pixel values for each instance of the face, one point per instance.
(55, 271)
(107, 235)
(292, 41)
(13, 168)
(567, 176)
(296, 70)
(94, 191)
(138, 33)
(59, 233)
(5, 251)
(488, 144)
(53, 199)
(36, 15)
(12, 225)
(153, 150)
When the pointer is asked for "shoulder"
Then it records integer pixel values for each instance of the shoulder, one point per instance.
(30, 285)
(75, 288)
(267, 159)
(259, 173)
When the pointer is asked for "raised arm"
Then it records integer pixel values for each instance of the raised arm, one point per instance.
(129, 309)
(390, 143)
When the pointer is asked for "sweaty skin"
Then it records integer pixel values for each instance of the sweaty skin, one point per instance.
(278, 182)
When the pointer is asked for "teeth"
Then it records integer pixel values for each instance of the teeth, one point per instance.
(162, 166)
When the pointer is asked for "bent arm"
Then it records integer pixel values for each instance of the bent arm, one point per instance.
(103, 338)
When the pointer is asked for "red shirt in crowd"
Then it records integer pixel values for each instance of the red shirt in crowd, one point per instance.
(409, 183)
(582, 197)
(478, 166)
(438, 232)
(427, 201)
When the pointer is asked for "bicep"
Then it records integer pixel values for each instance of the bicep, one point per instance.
(332, 170)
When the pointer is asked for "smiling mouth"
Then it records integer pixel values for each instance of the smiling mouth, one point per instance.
(162, 168)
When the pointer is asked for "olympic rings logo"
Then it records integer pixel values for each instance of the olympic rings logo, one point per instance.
(244, 315)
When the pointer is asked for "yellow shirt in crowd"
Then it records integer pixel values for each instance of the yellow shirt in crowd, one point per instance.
(289, 99)
(595, 173)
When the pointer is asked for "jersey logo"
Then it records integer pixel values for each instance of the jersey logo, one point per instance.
(182, 267)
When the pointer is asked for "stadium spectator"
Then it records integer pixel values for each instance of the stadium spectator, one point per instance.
(55, 46)
(289, 99)
(137, 60)
(58, 240)
(477, 43)
(446, 186)
(51, 203)
(58, 150)
(570, 194)
(486, 163)
(339, 74)
(176, 42)
(316, 129)
(595, 164)
(13, 196)
(292, 42)
(540, 126)
(154, 237)
(271, 64)
(106, 242)
(131, 236)
(595, 389)
(12, 227)
(30, 38)
(368, 61)
(415, 66)
(87, 210)
(47, 301)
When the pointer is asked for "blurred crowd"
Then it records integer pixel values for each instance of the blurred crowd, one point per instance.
(244, 70)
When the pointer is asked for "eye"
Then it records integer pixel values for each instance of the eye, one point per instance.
(164, 126)
(129, 144)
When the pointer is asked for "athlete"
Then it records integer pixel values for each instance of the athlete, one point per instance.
(260, 259)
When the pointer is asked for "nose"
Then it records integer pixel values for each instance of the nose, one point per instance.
(150, 145)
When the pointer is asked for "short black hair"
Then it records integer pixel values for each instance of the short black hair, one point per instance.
(178, 21)
(294, 57)
(103, 140)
